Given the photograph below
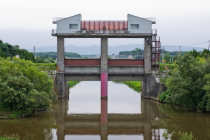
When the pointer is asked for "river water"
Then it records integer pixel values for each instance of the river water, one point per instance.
(124, 115)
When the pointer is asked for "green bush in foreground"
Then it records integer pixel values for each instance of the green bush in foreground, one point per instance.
(23, 87)
(189, 84)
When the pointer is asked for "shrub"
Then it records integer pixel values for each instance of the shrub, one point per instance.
(189, 84)
(23, 87)
(164, 95)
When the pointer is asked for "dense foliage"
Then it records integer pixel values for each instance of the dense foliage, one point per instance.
(8, 50)
(23, 87)
(189, 84)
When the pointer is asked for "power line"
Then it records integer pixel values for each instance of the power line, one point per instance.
(194, 44)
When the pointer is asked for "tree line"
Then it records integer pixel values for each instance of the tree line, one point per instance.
(50, 57)
(8, 50)
(136, 53)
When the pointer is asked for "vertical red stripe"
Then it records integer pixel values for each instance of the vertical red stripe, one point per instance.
(104, 86)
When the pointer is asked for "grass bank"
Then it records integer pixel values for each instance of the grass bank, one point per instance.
(73, 83)
(46, 66)
(135, 85)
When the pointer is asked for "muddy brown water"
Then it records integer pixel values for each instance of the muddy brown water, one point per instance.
(124, 115)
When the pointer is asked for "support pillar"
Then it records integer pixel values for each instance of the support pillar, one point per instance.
(146, 84)
(60, 68)
(104, 67)
(60, 54)
(60, 84)
(104, 119)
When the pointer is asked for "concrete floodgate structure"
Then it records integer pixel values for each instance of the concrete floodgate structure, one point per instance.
(105, 69)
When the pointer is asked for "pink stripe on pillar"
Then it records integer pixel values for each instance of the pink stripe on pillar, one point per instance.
(104, 111)
(104, 85)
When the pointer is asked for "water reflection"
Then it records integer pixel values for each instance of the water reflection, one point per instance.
(109, 125)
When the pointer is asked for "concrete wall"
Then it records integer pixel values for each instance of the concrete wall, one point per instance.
(63, 25)
(145, 26)
(150, 88)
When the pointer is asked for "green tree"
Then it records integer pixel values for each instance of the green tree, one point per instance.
(186, 85)
(1, 53)
(205, 53)
(39, 60)
(18, 93)
(194, 53)
(24, 84)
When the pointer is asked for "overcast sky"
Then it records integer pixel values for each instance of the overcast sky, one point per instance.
(28, 23)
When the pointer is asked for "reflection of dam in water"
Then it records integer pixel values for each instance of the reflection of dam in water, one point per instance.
(104, 124)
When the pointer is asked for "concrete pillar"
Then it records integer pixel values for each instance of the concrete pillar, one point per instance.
(104, 119)
(147, 56)
(146, 84)
(104, 67)
(60, 54)
(60, 68)
(60, 84)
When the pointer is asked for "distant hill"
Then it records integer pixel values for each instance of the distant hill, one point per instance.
(111, 50)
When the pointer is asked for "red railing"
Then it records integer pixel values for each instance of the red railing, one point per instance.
(111, 62)
(125, 62)
(104, 25)
(82, 62)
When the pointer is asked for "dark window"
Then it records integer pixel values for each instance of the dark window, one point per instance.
(134, 26)
(73, 26)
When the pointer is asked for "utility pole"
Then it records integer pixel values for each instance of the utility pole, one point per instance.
(173, 56)
(209, 44)
(34, 52)
(179, 50)
(163, 54)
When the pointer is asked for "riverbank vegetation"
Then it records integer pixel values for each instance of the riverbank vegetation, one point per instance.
(189, 82)
(135, 85)
(73, 83)
(24, 88)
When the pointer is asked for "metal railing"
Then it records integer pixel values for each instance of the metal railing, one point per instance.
(53, 31)
(154, 31)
